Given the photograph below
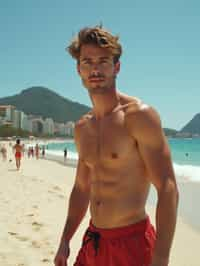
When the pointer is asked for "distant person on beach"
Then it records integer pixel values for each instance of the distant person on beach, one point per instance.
(32, 152)
(4, 152)
(37, 151)
(43, 151)
(65, 154)
(18, 148)
(29, 152)
(122, 151)
(23, 149)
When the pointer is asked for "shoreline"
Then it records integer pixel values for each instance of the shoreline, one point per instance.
(33, 206)
(186, 186)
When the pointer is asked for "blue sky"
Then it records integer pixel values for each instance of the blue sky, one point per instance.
(161, 50)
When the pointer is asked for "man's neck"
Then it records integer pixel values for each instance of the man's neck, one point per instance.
(104, 103)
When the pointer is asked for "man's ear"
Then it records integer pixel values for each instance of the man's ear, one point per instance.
(78, 68)
(117, 67)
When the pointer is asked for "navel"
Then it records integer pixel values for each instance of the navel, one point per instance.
(98, 202)
(114, 155)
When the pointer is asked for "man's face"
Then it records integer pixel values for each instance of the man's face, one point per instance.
(97, 69)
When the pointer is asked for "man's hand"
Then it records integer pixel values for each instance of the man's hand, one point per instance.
(62, 254)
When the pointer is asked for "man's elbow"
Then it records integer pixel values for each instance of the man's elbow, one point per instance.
(170, 189)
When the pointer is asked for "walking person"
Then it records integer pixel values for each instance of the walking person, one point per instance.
(18, 153)
(122, 151)
(65, 154)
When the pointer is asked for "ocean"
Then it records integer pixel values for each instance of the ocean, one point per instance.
(185, 155)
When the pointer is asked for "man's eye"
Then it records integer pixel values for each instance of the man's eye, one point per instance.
(86, 62)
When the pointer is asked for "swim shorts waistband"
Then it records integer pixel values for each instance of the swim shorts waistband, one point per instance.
(138, 227)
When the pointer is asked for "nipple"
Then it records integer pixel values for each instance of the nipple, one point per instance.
(98, 202)
(114, 155)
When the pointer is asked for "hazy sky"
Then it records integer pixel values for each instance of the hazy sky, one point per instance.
(161, 50)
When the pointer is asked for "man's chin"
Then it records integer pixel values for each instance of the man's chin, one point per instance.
(96, 90)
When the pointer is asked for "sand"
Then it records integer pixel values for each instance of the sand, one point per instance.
(33, 207)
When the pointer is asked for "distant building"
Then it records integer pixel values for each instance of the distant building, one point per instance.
(59, 129)
(33, 123)
(70, 128)
(183, 135)
(37, 126)
(17, 120)
(7, 112)
(49, 126)
(2, 120)
(26, 123)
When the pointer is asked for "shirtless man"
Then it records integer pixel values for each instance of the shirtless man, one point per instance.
(122, 151)
(18, 148)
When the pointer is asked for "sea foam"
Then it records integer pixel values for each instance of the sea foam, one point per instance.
(187, 172)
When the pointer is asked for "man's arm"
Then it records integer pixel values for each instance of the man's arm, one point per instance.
(145, 127)
(78, 205)
(78, 202)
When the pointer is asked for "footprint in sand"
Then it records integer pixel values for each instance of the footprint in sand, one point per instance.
(35, 244)
(21, 238)
(30, 215)
(57, 188)
(58, 195)
(12, 233)
(36, 226)
(2, 256)
(45, 260)
(61, 196)
(51, 252)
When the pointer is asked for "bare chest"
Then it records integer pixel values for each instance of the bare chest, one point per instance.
(105, 142)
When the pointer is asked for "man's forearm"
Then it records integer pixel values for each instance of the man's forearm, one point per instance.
(78, 205)
(166, 214)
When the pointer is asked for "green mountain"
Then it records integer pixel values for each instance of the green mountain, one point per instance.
(193, 126)
(46, 103)
(170, 132)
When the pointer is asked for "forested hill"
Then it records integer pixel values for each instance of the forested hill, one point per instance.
(46, 103)
(192, 126)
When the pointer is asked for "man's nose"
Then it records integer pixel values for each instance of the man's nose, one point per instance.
(95, 70)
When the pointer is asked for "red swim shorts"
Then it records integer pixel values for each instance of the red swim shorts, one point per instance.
(18, 154)
(125, 246)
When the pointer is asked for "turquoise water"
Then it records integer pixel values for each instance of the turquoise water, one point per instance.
(185, 156)
(62, 145)
(184, 151)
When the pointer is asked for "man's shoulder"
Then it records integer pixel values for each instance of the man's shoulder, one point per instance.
(139, 114)
(134, 106)
(140, 110)
(83, 121)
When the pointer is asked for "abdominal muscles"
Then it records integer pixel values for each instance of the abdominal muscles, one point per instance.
(118, 200)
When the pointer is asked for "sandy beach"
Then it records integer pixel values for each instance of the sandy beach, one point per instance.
(33, 207)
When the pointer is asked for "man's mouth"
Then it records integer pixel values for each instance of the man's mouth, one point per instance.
(96, 79)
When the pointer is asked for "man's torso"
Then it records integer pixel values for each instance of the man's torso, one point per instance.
(18, 148)
(118, 178)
